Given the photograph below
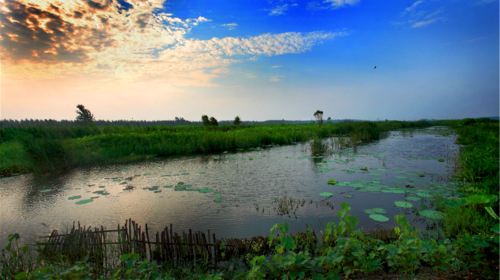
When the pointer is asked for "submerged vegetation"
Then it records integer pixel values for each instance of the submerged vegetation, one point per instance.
(56, 146)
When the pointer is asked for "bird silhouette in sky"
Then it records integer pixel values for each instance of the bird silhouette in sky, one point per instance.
(374, 67)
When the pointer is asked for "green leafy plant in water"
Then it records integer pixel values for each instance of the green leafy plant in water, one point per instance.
(326, 194)
(217, 197)
(346, 249)
(413, 198)
(375, 211)
(102, 192)
(431, 214)
(74, 197)
(332, 182)
(15, 258)
(403, 204)
(404, 255)
(84, 201)
(378, 218)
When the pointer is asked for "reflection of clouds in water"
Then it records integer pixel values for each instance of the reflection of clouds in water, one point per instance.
(261, 177)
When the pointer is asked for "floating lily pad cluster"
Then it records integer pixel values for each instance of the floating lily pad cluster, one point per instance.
(377, 214)
(84, 201)
(326, 194)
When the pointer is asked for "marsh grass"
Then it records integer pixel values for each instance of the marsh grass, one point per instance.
(47, 147)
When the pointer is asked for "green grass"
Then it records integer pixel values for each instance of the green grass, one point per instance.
(14, 159)
(478, 175)
(55, 147)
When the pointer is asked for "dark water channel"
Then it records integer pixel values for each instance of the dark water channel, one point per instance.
(242, 194)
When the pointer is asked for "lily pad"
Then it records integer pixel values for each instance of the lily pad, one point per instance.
(217, 198)
(375, 211)
(74, 197)
(332, 182)
(431, 214)
(423, 194)
(102, 192)
(84, 201)
(413, 198)
(393, 190)
(326, 194)
(379, 218)
(403, 204)
(183, 187)
(205, 190)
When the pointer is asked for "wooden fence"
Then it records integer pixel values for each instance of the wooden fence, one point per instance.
(103, 247)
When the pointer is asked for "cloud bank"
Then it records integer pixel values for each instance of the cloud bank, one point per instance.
(133, 39)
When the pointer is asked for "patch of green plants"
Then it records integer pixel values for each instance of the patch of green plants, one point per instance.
(51, 146)
(342, 251)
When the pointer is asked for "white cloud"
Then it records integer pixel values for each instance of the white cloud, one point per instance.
(153, 45)
(335, 4)
(230, 26)
(418, 15)
(278, 10)
(281, 7)
(425, 19)
(413, 6)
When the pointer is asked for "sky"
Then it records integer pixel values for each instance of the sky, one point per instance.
(260, 60)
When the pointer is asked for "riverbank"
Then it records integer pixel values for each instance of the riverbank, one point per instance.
(57, 147)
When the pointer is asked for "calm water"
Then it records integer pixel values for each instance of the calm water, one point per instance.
(240, 194)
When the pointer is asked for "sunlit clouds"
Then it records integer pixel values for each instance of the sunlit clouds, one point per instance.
(105, 39)
(157, 59)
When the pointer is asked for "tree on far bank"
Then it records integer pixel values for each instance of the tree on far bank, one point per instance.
(205, 120)
(319, 116)
(83, 114)
(237, 120)
(213, 121)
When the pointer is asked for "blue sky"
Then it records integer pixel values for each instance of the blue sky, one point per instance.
(434, 59)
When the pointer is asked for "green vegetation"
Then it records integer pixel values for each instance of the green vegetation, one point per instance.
(342, 251)
(463, 244)
(50, 146)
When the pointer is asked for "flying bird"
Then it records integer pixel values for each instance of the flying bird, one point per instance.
(374, 67)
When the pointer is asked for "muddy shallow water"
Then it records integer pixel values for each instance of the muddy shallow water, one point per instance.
(242, 194)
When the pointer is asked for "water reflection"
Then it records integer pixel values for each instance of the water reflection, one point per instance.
(236, 194)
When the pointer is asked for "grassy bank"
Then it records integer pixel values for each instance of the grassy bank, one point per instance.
(466, 245)
(52, 147)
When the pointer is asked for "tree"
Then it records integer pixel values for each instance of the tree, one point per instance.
(237, 121)
(319, 116)
(213, 121)
(205, 120)
(83, 114)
